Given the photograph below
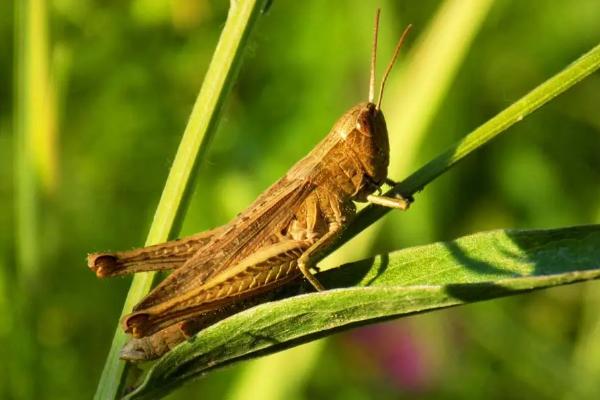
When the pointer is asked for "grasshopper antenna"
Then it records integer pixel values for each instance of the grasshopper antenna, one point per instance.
(391, 64)
(374, 58)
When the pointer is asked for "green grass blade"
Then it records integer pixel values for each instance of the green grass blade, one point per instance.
(559, 83)
(196, 137)
(473, 268)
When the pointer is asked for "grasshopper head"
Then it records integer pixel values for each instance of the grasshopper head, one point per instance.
(370, 142)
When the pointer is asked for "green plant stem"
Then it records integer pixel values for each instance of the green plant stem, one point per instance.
(559, 83)
(196, 137)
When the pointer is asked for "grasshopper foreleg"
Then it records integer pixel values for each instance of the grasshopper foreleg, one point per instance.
(398, 201)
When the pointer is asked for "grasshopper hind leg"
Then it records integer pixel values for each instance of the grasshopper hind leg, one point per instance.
(164, 256)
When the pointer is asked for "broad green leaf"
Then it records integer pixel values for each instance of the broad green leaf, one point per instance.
(473, 268)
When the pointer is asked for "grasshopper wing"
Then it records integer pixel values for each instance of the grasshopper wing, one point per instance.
(238, 264)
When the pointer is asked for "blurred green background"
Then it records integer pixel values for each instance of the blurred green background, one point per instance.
(113, 84)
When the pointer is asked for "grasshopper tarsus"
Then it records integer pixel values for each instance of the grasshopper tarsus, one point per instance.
(310, 276)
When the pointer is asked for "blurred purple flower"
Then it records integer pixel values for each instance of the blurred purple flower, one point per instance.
(400, 356)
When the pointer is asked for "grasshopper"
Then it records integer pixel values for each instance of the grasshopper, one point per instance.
(275, 241)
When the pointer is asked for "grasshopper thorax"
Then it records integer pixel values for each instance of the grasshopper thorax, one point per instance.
(359, 159)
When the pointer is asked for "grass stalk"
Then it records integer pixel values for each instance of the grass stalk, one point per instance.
(201, 126)
(556, 85)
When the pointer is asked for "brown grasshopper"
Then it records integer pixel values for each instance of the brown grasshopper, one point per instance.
(276, 240)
